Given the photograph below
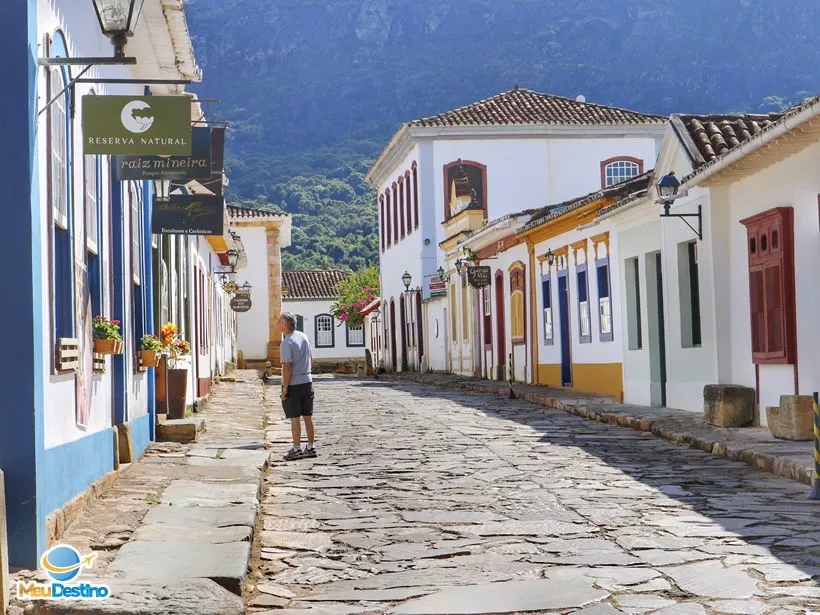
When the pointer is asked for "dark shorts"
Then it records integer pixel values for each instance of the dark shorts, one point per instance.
(299, 401)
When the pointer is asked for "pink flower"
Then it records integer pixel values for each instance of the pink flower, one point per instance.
(343, 317)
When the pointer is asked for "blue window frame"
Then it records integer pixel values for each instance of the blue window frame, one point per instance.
(135, 203)
(93, 230)
(584, 328)
(546, 291)
(604, 300)
(60, 193)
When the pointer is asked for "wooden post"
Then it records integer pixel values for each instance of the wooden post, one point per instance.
(162, 385)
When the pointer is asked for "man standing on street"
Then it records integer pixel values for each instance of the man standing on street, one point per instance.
(297, 386)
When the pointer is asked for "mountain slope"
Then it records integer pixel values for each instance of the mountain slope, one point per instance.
(314, 88)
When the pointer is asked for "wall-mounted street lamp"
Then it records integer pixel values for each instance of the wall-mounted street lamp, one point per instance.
(406, 280)
(233, 258)
(550, 258)
(667, 187)
(118, 18)
(461, 266)
(443, 275)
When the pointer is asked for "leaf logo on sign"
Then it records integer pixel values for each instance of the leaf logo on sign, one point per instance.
(137, 116)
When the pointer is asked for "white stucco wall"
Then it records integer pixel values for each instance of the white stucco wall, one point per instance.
(253, 325)
(596, 350)
(793, 182)
(309, 310)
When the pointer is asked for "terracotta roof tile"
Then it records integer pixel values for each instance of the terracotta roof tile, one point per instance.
(521, 106)
(240, 212)
(713, 136)
(311, 284)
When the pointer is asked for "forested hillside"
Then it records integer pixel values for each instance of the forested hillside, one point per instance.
(313, 89)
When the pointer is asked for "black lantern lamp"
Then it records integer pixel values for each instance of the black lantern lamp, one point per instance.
(118, 19)
(233, 258)
(668, 186)
(406, 280)
(461, 265)
(550, 258)
(442, 275)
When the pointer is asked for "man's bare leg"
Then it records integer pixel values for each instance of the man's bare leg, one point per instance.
(311, 432)
(296, 432)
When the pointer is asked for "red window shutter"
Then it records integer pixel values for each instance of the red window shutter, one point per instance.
(775, 329)
(757, 300)
(770, 250)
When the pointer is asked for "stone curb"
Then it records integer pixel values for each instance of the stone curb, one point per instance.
(661, 428)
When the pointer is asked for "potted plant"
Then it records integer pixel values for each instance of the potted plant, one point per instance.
(107, 337)
(150, 349)
(177, 348)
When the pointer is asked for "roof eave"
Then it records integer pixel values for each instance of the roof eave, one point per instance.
(758, 141)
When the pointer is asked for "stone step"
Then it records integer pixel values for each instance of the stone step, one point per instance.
(180, 430)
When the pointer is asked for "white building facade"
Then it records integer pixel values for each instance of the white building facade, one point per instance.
(537, 149)
(309, 295)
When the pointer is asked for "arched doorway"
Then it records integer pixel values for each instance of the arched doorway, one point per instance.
(393, 335)
(404, 331)
(501, 332)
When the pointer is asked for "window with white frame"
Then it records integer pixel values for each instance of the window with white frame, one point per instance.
(136, 232)
(604, 300)
(583, 305)
(324, 331)
(546, 288)
(355, 336)
(62, 229)
(91, 203)
(59, 151)
(618, 170)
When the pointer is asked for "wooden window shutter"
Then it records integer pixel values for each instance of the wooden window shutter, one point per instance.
(770, 252)
(758, 310)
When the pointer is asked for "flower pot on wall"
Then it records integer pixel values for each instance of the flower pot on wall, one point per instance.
(177, 393)
(107, 346)
(149, 358)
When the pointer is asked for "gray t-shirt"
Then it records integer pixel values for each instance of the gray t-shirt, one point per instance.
(295, 349)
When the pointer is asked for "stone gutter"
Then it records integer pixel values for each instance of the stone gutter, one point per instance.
(753, 446)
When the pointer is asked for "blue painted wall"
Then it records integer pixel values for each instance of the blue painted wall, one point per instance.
(21, 373)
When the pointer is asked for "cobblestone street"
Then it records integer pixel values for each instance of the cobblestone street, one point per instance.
(426, 500)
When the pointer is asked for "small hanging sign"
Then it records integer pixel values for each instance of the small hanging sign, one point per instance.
(478, 276)
(241, 303)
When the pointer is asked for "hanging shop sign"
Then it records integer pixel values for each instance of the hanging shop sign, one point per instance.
(217, 151)
(137, 125)
(189, 214)
(177, 168)
(438, 287)
(241, 303)
(478, 276)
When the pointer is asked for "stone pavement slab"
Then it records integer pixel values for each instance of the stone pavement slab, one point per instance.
(752, 445)
(511, 597)
(421, 493)
(176, 528)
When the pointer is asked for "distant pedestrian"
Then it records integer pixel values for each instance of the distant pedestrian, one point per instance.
(297, 386)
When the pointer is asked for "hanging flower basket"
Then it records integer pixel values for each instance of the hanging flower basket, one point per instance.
(107, 337)
(150, 349)
(108, 346)
(149, 358)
